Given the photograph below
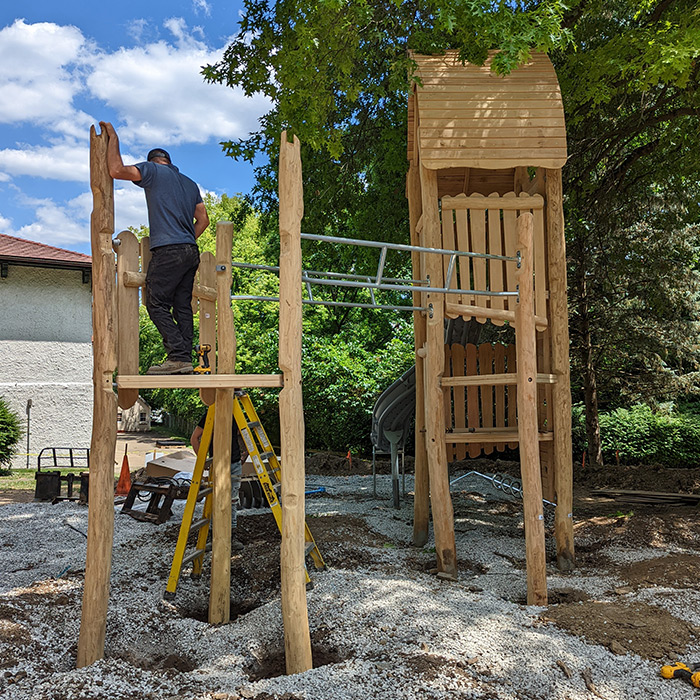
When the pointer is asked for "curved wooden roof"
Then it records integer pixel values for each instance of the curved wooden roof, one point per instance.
(468, 116)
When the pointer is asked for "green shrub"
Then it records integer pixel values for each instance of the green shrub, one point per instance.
(641, 435)
(10, 433)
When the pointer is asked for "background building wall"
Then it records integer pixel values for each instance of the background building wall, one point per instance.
(45, 334)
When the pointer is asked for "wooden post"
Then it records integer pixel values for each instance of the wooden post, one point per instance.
(297, 640)
(526, 349)
(443, 514)
(421, 491)
(207, 319)
(128, 315)
(93, 621)
(561, 391)
(220, 593)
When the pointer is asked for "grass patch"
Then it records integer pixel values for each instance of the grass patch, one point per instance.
(23, 479)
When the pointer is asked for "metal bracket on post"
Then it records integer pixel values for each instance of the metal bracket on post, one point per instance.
(221, 268)
(430, 310)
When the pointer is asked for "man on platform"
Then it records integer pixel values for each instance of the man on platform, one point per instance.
(176, 218)
(236, 468)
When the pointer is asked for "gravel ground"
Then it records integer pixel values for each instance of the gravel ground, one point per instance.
(381, 625)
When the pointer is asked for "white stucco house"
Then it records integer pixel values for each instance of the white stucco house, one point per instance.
(45, 341)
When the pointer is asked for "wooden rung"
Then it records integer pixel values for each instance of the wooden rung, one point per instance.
(494, 380)
(455, 310)
(489, 435)
(524, 203)
(199, 381)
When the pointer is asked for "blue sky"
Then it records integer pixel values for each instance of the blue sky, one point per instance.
(69, 64)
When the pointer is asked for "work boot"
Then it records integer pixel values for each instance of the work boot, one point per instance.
(172, 367)
(236, 545)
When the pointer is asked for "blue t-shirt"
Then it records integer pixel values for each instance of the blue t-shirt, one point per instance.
(171, 198)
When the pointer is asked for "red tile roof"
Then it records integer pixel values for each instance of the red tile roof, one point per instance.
(20, 250)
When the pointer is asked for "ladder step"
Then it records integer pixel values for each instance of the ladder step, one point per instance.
(199, 524)
(310, 546)
(265, 456)
(254, 424)
(191, 557)
(204, 492)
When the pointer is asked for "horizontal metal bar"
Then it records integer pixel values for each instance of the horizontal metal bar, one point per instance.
(319, 302)
(402, 247)
(407, 288)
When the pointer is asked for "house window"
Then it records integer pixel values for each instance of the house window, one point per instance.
(119, 416)
(142, 417)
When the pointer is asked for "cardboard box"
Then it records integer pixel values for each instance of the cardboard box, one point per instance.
(171, 464)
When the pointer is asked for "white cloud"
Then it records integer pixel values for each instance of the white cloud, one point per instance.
(56, 224)
(41, 67)
(202, 5)
(159, 93)
(67, 160)
(129, 207)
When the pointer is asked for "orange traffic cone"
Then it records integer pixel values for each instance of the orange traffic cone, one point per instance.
(124, 483)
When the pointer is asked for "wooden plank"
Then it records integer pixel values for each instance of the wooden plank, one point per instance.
(497, 119)
(480, 436)
(495, 247)
(525, 345)
(460, 407)
(499, 368)
(561, 394)
(443, 514)
(481, 142)
(207, 319)
(479, 202)
(485, 356)
(470, 159)
(504, 379)
(127, 315)
(197, 381)
(449, 242)
(93, 620)
(540, 252)
(447, 398)
(477, 244)
(510, 246)
(454, 155)
(466, 311)
(465, 278)
(473, 421)
(297, 639)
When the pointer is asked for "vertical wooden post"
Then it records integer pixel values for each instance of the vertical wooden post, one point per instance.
(297, 640)
(443, 514)
(93, 621)
(127, 316)
(526, 349)
(421, 491)
(207, 319)
(561, 391)
(220, 593)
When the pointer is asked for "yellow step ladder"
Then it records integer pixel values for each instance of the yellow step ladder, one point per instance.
(269, 473)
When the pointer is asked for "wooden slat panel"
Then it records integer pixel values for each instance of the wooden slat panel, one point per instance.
(499, 367)
(510, 246)
(524, 151)
(127, 315)
(512, 393)
(500, 379)
(458, 358)
(486, 392)
(491, 118)
(472, 398)
(495, 247)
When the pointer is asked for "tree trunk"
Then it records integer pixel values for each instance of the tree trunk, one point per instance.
(590, 389)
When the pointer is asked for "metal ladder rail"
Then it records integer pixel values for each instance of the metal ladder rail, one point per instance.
(188, 523)
(255, 438)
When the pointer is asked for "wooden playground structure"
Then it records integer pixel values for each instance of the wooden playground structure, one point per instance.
(484, 189)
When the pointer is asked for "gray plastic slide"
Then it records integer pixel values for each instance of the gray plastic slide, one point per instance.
(391, 422)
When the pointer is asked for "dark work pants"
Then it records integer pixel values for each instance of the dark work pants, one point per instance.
(169, 282)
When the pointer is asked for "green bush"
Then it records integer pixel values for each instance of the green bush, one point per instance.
(10, 433)
(641, 435)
